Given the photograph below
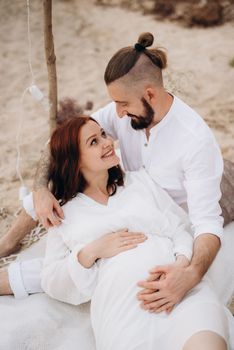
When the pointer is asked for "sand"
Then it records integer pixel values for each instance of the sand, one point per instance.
(85, 37)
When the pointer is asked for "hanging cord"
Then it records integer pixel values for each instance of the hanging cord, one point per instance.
(29, 43)
(37, 95)
(18, 142)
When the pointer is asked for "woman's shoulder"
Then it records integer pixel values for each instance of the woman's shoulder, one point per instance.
(73, 205)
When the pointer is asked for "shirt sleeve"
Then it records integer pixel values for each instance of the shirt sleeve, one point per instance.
(108, 119)
(178, 227)
(203, 170)
(179, 231)
(62, 276)
(28, 206)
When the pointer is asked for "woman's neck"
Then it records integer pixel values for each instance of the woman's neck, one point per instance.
(97, 187)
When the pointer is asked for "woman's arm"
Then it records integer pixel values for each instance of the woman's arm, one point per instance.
(71, 276)
(63, 277)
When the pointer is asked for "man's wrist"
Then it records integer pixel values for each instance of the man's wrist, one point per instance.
(194, 272)
(182, 260)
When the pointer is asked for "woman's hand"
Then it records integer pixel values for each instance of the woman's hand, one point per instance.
(110, 245)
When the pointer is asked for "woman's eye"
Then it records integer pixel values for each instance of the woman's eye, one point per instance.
(93, 142)
(104, 134)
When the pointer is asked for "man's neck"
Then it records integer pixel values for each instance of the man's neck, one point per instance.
(163, 107)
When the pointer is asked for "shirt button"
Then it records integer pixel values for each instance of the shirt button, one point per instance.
(143, 166)
(146, 144)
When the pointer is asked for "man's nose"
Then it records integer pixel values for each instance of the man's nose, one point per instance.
(121, 111)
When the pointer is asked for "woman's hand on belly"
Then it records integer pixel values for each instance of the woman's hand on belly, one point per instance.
(109, 245)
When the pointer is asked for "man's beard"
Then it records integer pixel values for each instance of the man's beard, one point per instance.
(140, 122)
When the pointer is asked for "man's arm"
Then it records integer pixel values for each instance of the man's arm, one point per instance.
(203, 170)
(46, 206)
(42, 172)
(206, 246)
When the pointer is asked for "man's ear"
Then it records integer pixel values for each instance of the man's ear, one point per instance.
(150, 95)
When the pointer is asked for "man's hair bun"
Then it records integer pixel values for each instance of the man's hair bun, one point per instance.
(146, 39)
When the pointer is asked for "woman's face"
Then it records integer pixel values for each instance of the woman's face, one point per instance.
(96, 149)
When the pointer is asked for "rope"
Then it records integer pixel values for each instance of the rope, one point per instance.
(29, 43)
(23, 95)
(37, 95)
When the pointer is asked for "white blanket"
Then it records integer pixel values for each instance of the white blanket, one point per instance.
(41, 323)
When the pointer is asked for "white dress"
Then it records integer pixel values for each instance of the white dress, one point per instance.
(111, 284)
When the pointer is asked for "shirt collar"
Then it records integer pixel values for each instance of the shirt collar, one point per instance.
(166, 118)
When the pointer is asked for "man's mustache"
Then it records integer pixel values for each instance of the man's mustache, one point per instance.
(133, 116)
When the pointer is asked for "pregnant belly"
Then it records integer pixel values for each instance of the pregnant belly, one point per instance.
(133, 265)
(115, 298)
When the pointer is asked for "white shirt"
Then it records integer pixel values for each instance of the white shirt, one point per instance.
(141, 206)
(181, 155)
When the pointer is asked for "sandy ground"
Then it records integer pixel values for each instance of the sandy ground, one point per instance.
(86, 36)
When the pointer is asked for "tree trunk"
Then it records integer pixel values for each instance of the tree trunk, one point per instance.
(51, 63)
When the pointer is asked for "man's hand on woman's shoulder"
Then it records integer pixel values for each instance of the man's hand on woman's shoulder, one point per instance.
(47, 208)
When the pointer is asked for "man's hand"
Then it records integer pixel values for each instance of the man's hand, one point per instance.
(166, 286)
(47, 208)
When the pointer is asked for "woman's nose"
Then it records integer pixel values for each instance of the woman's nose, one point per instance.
(108, 142)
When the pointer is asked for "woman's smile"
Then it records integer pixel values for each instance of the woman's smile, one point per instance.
(109, 154)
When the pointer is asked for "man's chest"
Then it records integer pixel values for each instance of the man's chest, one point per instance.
(161, 156)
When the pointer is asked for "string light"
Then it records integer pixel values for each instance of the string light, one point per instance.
(38, 95)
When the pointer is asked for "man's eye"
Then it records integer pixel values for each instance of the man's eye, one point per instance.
(93, 142)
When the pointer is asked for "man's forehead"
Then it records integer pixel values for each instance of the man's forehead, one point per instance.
(118, 92)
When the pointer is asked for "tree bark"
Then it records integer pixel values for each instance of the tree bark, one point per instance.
(51, 63)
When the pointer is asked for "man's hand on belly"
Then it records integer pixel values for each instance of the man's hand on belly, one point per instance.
(165, 287)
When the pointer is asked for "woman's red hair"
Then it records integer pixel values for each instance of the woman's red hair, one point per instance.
(64, 173)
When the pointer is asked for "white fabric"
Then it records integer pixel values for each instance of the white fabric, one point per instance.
(112, 283)
(28, 206)
(24, 273)
(41, 316)
(221, 272)
(161, 217)
(16, 280)
(181, 155)
(41, 323)
(24, 277)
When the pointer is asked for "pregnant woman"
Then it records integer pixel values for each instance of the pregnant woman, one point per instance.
(85, 261)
